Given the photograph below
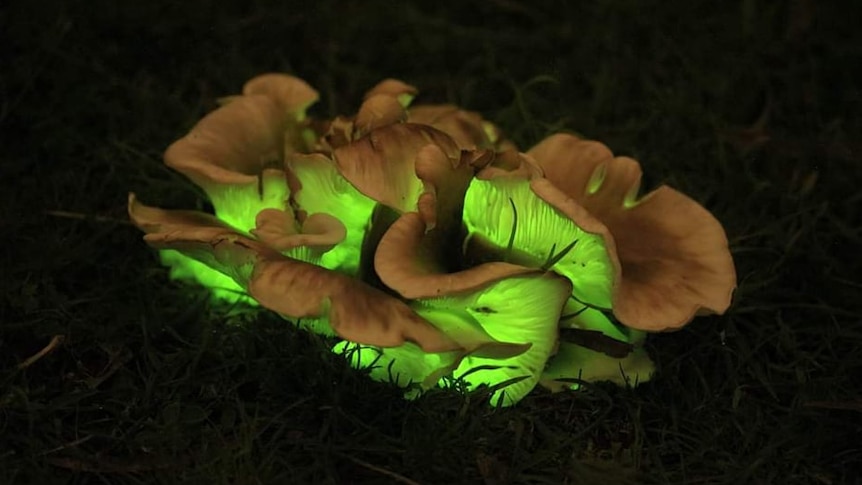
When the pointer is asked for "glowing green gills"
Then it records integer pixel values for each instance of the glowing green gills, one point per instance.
(238, 207)
(324, 191)
(506, 218)
(522, 309)
(221, 286)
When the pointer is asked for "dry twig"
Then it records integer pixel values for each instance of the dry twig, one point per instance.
(55, 342)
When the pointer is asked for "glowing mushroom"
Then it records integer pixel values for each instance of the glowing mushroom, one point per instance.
(467, 128)
(334, 303)
(236, 154)
(673, 254)
(510, 324)
(437, 253)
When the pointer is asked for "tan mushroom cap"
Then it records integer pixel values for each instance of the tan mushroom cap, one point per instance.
(181, 226)
(405, 265)
(295, 289)
(408, 258)
(382, 166)
(231, 145)
(383, 105)
(392, 87)
(414, 254)
(292, 94)
(377, 111)
(278, 229)
(673, 253)
(511, 164)
(356, 311)
(467, 128)
(154, 220)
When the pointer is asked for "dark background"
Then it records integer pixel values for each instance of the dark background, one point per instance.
(752, 107)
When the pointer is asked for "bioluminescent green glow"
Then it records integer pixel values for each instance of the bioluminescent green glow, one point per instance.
(221, 286)
(238, 205)
(282, 200)
(225, 288)
(319, 326)
(597, 179)
(541, 236)
(575, 363)
(577, 315)
(518, 309)
(491, 132)
(405, 99)
(325, 190)
(405, 365)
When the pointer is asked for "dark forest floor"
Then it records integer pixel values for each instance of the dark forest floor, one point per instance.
(751, 107)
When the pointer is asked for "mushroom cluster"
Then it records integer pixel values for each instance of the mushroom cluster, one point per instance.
(431, 248)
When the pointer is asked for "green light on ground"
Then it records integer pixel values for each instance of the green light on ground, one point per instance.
(404, 366)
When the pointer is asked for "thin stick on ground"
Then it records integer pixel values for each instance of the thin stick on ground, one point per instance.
(55, 342)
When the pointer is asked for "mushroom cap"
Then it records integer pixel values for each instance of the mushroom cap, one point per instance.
(295, 289)
(467, 128)
(405, 264)
(394, 88)
(232, 144)
(278, 230)
(673, 254)
(377, 111)
(235, 154)
(382, 164)
(293, 95)
(512, 213)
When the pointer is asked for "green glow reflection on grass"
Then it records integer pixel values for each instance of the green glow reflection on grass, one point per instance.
(405, 365)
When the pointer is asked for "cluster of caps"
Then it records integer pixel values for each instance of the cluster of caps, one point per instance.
(432, 248)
